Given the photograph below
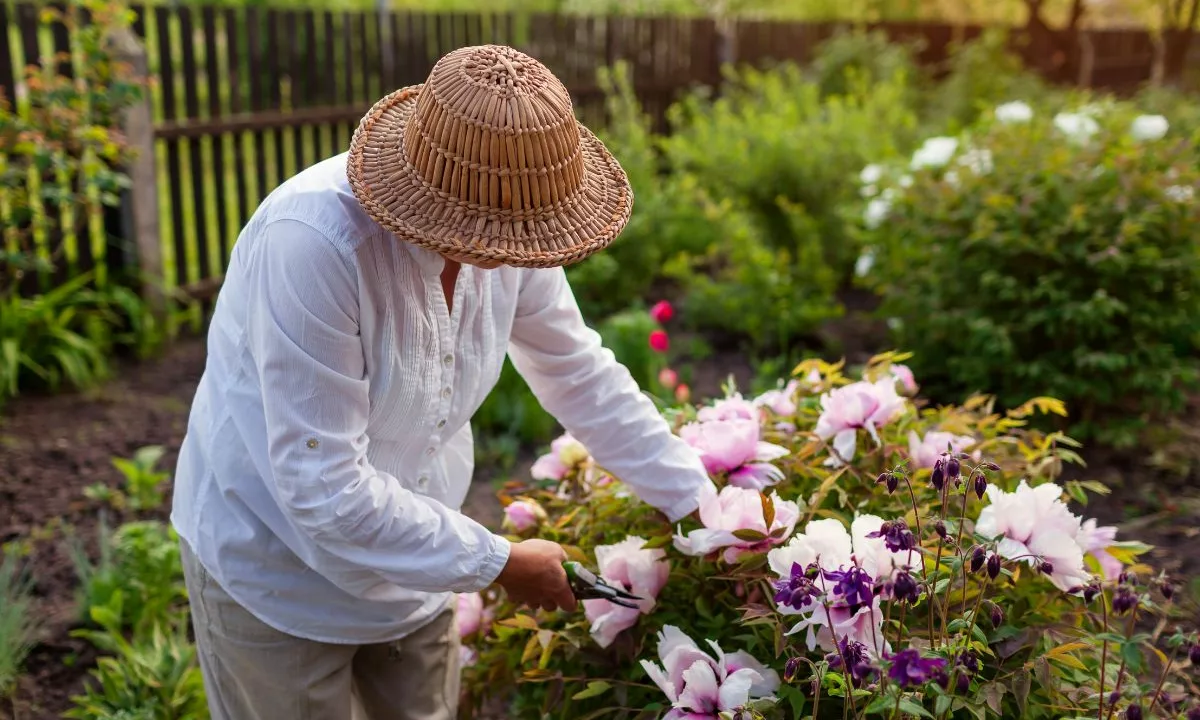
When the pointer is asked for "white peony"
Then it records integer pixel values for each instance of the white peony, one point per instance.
(934, 153)
(1149, 127)
(1013, 112)
(1078, 127)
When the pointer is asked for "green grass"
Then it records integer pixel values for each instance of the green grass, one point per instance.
(18, 623)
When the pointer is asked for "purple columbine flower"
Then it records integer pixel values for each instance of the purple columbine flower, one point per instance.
(1124, 600)
(910, 670)
(798, 590)
(791, 668)
(905, 588)
(980, 485)
(1194, 654)
(978, 557)
(1193, 714)
(853, 588)
(997, 615)
(940, 528)
(858, 661)
(938, 478)
(1133, 712)
(896, 536)
(993, 566)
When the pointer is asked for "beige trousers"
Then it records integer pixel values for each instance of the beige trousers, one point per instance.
(253, 672)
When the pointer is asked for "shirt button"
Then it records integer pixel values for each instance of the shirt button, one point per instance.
(449, 359)
(446, 392)
(442, 423)
(312, 443)
(422, 481)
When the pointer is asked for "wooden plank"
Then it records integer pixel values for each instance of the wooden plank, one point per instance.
(220, 142)
(254, 20)
(196, 175)
(8, 78)
(27, 21)
(275, 89)
(166, 61)
(296, 71)
(347, 62)
(235, 58)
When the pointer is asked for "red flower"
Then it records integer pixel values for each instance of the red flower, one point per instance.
(659, 341)
(662, 311)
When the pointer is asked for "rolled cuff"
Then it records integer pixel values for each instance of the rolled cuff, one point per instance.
(493, 564)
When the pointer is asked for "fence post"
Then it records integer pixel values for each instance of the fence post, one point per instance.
(138, 126)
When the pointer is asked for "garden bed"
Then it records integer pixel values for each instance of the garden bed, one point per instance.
(55, 447)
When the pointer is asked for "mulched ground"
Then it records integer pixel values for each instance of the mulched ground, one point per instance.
(51, 448)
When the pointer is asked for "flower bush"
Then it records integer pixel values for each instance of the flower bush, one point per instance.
(937, 566)
(1045, 253)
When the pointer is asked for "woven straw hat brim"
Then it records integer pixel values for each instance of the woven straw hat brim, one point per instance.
(397, 197)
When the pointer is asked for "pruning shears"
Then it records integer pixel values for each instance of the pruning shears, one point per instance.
(587, 585)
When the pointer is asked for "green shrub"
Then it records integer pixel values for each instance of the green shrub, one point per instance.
(670, 217)
(849, 55)
(1057, 266)
(138, 579)
(982, 73)
(773, 146)
(155, 676)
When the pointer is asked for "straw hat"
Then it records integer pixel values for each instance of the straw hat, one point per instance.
(485, 161)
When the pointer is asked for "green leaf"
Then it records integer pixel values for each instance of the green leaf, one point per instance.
(593, 689)
(910, 707)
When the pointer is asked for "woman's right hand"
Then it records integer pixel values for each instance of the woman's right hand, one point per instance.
(534, 575)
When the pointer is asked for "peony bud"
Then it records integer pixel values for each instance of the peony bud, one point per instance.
(683, 393)
(520, 515)
(668, 378)
(659, 342)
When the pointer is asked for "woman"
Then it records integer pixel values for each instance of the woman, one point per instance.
(365, 315)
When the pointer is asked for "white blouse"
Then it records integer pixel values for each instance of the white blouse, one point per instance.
(329, 446)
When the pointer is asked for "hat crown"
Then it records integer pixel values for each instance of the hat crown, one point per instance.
(494, 131)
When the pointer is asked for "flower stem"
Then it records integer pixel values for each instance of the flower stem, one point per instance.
(1103, 654)
(846, 670)
(1121, 669)
(1162, 679)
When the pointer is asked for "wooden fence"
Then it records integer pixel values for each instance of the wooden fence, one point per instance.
(243, 97)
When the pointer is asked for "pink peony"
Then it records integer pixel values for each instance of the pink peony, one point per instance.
(565, 454)
(467, 656)
(733, 447)
(520, 515)
(924, 452)
(469, 613)
(1033, 525)
(861, 405)
(781, 401)
(734, 407)
(659, 341)
(735, 509)
(701, 686)
(662, 311)
(903, 375)
(640, 571)
(1095, 541)
(668, 378)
